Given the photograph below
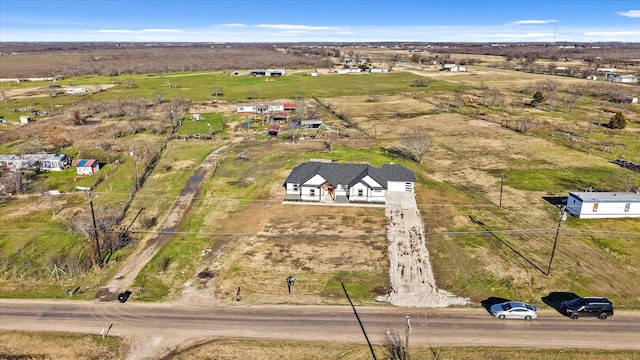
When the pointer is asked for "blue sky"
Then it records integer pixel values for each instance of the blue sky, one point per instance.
(322, 21)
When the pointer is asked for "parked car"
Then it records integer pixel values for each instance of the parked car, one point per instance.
(598, 307)
(514, 310)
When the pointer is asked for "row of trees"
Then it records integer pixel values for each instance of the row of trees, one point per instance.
(118, 61)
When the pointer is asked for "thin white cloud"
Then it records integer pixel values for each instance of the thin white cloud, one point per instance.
(161, 30)
(524, 35)
(124, 31)
(630, 13)
(296, 27)
(233, 25)
(532, 22)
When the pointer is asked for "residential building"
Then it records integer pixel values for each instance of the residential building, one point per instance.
(603, 205)
(330, 182)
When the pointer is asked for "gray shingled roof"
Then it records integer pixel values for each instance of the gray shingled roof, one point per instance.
(349, 174)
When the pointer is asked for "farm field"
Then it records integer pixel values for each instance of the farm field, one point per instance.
(239, 234)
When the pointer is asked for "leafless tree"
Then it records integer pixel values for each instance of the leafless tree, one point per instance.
(129, 83)
(420, 82)
(460, 92)
(75, 117)
(415, 145)
(394, 345)
(330, 141)
(374, 98)
(298, 97)
(159, 98)
(525, 125)
(216, 91)
(13, 182)
(171, 84)
(294, 134)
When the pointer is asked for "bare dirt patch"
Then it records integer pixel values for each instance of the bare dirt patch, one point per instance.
(42, 91)
(315, 244)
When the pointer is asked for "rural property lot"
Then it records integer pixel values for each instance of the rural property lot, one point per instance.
(229, 241)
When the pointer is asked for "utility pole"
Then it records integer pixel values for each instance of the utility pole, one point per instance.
(562, 216)
(501, 181)
(135, 165)
(406, 344)
(94, 243)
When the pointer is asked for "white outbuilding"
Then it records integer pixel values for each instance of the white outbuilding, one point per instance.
(603, 205)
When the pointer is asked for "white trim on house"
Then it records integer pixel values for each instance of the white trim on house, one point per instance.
(346, 183)
(601, 205)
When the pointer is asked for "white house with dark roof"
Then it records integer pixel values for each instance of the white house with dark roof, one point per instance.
(603, 205)
(346, 183)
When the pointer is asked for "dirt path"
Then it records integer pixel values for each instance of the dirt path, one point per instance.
(410, 270)
(152, 244)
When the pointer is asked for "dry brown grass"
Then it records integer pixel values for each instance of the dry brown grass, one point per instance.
(262, 350)
(59, 346)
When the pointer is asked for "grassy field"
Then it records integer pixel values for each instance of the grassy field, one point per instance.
(239, 234)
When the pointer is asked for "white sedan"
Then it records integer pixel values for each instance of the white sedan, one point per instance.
(514, 310)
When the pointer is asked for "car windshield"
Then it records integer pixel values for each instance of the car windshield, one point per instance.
(577, 302)
(506, 306)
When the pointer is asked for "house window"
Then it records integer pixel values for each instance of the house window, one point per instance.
(627, 206)
(312, 192)
(360, 192)
(595, 207)
(407, 187)
(295, 187)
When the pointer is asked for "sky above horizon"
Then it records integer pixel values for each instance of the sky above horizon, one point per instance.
(320, 21)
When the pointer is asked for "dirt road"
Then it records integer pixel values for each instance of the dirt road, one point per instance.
(412, 280)
(151, 245)
(153, 330)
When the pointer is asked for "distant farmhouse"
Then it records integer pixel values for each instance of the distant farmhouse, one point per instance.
(627, 79)
(34, 162)
(348, 71)
(453, 67)
(258, 109)
(603, 205)
(267, 72)
(329, 182)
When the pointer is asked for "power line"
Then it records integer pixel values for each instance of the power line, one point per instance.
(341, 234)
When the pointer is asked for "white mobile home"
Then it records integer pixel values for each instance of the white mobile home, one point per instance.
(76, 91)
(601, 205)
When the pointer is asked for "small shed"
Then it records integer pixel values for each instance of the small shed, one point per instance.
(279, 116)
(602, 205)
(25, 119)
(273, 130)
(86, 166)
(311, 124)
